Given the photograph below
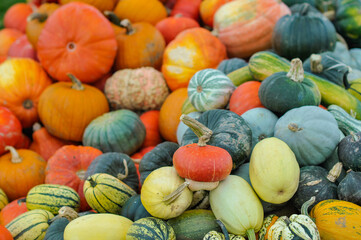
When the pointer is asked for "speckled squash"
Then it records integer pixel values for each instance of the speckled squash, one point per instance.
(150, 228)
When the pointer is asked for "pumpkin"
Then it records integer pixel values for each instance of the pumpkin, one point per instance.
(170, 27)
(5, 234)
(348, 151)
(15, 74)
(151, 11)
(245, 97)
(10, 129)
(236, 204)
(100, 5)
(20, 170)
(15, 16)
(192, 50)
(12, 210)
(67, 166)
(230, 132)
(320, 31)
(188, 8)
(310, 131)
(169, 114)
(37, 20)
(84, 39)
(7, 38)
(150, 119)
(208, 8)
(63, 121)
(160, 156)
(150, 228)
(128, 132)
(182, 127)
(161, 195)
(22, 48)
(209, 89)
(134, 209)
(229, 65)
(245, 27)
(283, 91)
(136, 89)
(348, 189)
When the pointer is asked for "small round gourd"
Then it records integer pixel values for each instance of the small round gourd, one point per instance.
(349, 188)
(349, 151)
(150, 228)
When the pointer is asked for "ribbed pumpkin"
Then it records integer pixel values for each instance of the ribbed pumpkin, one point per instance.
(66, 108)
(136, 89)
(150, 119)
(151, 11)
(100, 5)
(77, 39)
(150, 228)
(7, 37)
(10, 129)
(20, 170)
(127, 132)
(192, 50)
(22, 81)
(208, 8)
(245, 27)
(15, 17)
(209, 89)
(12, 210)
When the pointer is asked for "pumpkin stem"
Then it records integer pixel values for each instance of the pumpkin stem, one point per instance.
(223, 228)
(335, 172)
(76, 82)
(112, 18)
(203, 133)
(294, 127)
(174, 195)
(92, 182)
(28, 104)
(136, 160)
(178, 15)
(127, 25)
(305, 9)
(251, 235)
(306, 205)
(66, 212)
(296, 72)
(123, 176)
(316, 66)
(36, 127)
(41, 17)
(15, 157)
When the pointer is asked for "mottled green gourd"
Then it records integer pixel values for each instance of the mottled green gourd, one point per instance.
(150, 228)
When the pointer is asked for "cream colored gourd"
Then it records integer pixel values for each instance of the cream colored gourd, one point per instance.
(274, 171)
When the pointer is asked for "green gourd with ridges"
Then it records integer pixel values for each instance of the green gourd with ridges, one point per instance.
(3, 199)
(106, 194)
(240, 76)
(150, 228)
(346, 123)
(134, 209)
(52, 197)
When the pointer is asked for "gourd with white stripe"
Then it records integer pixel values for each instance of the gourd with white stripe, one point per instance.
(214, 235)
(209, 89)
(150, 228)
(52, 197)
(106, 194)
(3, 199)
(346, 123)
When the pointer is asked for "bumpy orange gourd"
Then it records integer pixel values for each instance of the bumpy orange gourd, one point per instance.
(208, 8)
(101, 5)
(15, 16)
(192, 50)
(22, 80)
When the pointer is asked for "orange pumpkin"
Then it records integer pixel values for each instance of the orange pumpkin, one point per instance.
(150, 120)
(10, 129)
(77, 39)
(208, 8)
(170, 113)
(5, 234)
(20, 170)
(192, 50)
(101, 5)
(188, 8)
(245, 97)
(66, 108)
(151, 11)
(37, 20)
(7, 37)
(245, 27)
(15, 17)
(12, 210)
(22, 80)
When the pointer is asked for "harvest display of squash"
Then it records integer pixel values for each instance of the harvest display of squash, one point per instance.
(180, 119)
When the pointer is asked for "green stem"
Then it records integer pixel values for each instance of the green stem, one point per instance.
(41, 17)
(296, 72)
(174, 195)
(251, 235)
(305, 8)
(92, 182)
(113, 18)
(202, 132)
(306, 205)
(223, 228)
(315, 61)
(76, 82)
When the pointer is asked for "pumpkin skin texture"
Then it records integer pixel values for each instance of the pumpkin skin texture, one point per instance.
(230, 132)
(208, 8)
(69, 123)
(100, 5)
(320, 31)
(10, 129)
(229, 65)
(311, 132)
(150, 119)
(22, 48)
(188, 8)
(348, 189)
(116, 131)
(7, 37)
(67, 43)
(337, 219)
(348, 151)
(192, 50)
(5, 234)
(274, 171)
(139, 89)
(150, 228)
(245, 27)
(15, 74)
(134, 209)
(12, 210)
(15, 16)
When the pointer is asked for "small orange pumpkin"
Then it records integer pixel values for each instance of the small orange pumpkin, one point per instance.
(101, 5)
(10, 129)
(12, 210)
(22, 48)
(15, 16)
(150, 120)
(208, 8)
(7, 37)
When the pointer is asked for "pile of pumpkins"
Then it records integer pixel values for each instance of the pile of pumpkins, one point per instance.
(180, 119)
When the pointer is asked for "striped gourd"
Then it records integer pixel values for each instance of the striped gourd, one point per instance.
(52, 197)
(209, 89)
(106, 194)
(3, 199)
(150, 228)
(30, 225)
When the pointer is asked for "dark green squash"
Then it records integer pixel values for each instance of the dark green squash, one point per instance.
(160, 156)
(118, 165)
(134, 209)
(349, 188)
(283, 91)
(349, 151)
(230, 132)
(229, 65)
(304, 32)
(290, 3)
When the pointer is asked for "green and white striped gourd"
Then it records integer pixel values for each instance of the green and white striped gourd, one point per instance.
(214, 235)
(150, 228)
(346, 123)
(3, 199)
(209, 89)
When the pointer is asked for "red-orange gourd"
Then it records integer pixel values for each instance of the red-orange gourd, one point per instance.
(15, 16)
(5, 234)
(188, 8)
(150, 119)
(7, 37)
(12, 210)
(22, 48)
(10, 129)
(77, 39)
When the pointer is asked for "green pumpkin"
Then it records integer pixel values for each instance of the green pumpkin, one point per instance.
(116, 131)
(118, 165)
(230, 132)
(160, 156)
(229, 65)
(150, 228)
(304, 32)
(349, 151)
(209, 89)
(350, 57)
(283, 91)
(349, 188)
(134, 209)
(311, 132)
